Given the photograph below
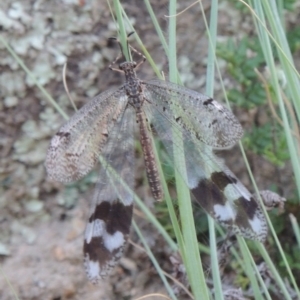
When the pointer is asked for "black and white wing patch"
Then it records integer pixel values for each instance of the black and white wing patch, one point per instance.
(111, 212)
(102, 126)
(228, 201)
(203, 124)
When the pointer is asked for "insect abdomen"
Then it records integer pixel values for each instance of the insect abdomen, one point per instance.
(150, 161)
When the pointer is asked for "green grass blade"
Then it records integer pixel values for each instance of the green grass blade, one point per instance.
(263, 16)
(296, 228)
(274, 272)
(191, 253)
(267, 9)
(156, 26)
(252, 271)
(154, 261)
(210, 75)
(123, 34)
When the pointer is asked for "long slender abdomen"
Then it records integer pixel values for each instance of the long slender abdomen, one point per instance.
(150, 161)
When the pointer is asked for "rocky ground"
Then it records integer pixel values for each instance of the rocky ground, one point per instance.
(42, 222)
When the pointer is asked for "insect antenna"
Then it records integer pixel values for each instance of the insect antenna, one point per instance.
(121, 54)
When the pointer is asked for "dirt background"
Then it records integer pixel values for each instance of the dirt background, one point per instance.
(42, 222)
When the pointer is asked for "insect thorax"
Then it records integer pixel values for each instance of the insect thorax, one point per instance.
(133, 85)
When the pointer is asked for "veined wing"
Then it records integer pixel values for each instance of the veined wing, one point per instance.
(111, 211)
(210, 122)
(74, 149)
(212, 184)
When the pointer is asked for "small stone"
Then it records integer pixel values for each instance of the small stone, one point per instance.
(4, 250)
(59, 253)
(11, 101)
(69, 292)
(128, 264)
(34, 205)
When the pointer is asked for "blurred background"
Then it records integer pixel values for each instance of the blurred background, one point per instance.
(42, 222)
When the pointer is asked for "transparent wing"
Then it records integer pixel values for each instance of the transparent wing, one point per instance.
(74, 149)
(111, 211)
(212, 184)
(210, 122)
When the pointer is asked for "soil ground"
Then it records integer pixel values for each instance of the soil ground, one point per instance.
(42, 222)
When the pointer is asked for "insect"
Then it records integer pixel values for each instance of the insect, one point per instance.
(105, 127)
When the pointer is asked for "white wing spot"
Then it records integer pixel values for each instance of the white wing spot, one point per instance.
(235, 190)
(257, 225)
(97, 228)
(94, 229)
(224, 212)
(93, 269)
(113, 241)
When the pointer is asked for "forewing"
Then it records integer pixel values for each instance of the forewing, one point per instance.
(210, 122)
(74, 149)
(212, 184)
(111, 211)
